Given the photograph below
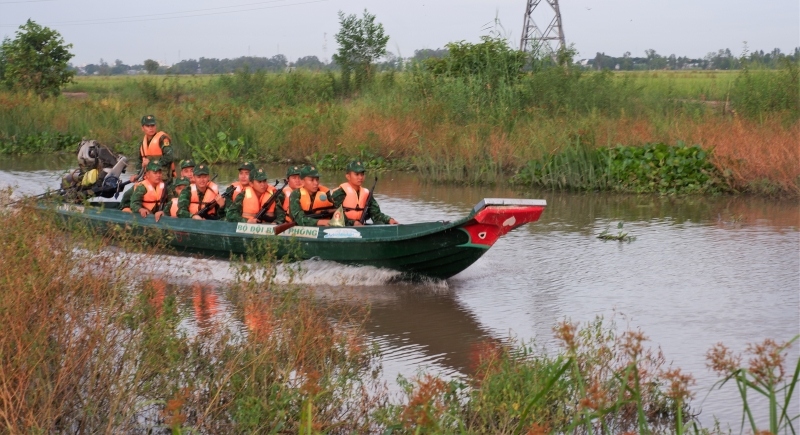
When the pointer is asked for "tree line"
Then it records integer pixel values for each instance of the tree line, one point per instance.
(722, 59)
(37, 59)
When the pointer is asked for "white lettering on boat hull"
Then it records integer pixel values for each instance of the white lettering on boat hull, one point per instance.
(269, 230)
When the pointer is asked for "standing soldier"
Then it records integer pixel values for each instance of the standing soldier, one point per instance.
(147, 195)
(155, 145)
(247, 206)
(201, 193)
(244, 178)
(353, 198)
(309, 203)
(293, 182)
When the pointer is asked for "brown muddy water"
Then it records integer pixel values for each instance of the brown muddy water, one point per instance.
(702, 270)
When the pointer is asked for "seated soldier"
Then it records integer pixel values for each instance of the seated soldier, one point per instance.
(187, 169)
(352, 197)
(247, 206)
(310, 205)
(177, 187)
(244, 178)
(200, 194)
(293, 182)
(148, 194)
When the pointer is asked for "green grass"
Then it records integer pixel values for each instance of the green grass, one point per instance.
(478, 129)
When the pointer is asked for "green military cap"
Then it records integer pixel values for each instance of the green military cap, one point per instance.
(293, 170)
(247, 165)
(148, 120)
(182, 181)
(188, 163)
(201, 170)
(153, 166)
(356, 166)
(309, 171)
(259, 175)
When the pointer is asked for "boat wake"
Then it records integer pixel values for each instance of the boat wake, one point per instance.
(186, 270)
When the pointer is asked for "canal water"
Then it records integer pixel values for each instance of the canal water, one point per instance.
(702, 270)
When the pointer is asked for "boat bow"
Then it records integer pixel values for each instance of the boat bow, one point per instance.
(495, 217)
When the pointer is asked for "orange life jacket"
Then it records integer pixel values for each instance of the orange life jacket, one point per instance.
(211, 194)
(239, 189)
(153, 195)
(153, 148)
(252, 203)
(287, 192)
(173, 210)
(318, 205)
(355, 202)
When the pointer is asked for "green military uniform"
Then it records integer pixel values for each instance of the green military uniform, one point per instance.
(185, 198)
(186, 163)
(280, 213)
(295, 210)
(139, 190)
(125, 201)
(166, 158)
(374, 212)
(233, 212)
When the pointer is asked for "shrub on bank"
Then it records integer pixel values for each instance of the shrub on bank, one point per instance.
(652, 168)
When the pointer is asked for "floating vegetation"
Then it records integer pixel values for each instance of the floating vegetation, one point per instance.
(621, 236)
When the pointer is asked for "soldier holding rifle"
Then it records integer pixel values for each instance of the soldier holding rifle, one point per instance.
(358, 202)
(310, 205)
(199, 196)
(258, 194)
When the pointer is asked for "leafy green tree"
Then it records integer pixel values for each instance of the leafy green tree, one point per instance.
(361, 41)
(491, 61)
(36, 60)
(151, 66)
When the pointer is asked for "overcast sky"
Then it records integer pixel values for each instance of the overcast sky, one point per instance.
(169, 31)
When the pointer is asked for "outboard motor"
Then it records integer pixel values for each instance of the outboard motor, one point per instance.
(98, 172)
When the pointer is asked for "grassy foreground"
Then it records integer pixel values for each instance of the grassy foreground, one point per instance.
(464, 130)
(90, 344)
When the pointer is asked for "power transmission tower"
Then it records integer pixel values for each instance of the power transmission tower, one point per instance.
(534, 39)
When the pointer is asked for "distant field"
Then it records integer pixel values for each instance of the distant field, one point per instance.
(702, 85)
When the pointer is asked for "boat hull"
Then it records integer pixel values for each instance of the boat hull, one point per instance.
(430, 250)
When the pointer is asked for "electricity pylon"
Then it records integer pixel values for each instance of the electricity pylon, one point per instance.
(538, 41)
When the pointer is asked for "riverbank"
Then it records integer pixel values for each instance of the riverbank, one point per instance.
(285, 359)
(462, 131)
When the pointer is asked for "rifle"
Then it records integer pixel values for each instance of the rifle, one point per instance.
(163, 201)
(369, 199)
(262, 214)
(227, 195)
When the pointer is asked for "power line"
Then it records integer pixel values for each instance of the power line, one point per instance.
(91, 20)
(155, 17)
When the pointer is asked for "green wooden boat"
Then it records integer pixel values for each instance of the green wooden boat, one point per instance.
(430, 249)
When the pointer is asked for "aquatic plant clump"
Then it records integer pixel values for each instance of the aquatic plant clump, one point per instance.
(652, 168)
